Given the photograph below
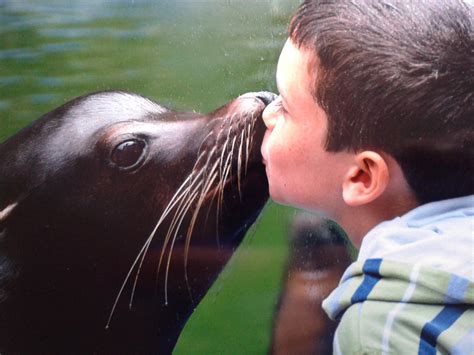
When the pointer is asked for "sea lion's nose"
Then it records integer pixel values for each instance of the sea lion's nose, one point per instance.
(266, 97)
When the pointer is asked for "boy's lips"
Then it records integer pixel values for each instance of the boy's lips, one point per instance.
(264, 160)
(263, 148)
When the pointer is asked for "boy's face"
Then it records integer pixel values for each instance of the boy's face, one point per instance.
(300, 171)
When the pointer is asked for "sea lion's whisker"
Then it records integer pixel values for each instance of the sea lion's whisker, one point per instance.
(219, 203)
(220, 192)
(193, 222)
(144, 249)
(174, 225)
(180, 214)
(200, 151)
(221, 171)
(239, 166)
(250, 136)
(201, 155)
(220, 184)
(225, 145)
(210, 180)
(213, 175)
(173, 202)
(179, 217)
(181, 210)
(231, 154)
(227, 168)
(183, 214)
(189, 233)
(247, 144)
(253, 120)
(211, 155)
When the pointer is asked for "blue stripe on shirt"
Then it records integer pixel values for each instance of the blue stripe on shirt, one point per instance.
(456, 290)
(372, 275)
(432, 330)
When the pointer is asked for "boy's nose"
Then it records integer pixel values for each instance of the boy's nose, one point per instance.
(270, 114)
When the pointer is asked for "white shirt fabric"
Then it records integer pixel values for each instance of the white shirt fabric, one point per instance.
(438, 234)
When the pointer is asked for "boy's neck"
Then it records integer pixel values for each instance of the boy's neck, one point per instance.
(358, 221)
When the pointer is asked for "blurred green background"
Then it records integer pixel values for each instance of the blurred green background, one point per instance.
(187, 55)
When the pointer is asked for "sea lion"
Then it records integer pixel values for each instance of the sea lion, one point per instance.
(318, 256)
(116, 216)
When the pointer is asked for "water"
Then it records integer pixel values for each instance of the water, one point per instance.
(187, 55)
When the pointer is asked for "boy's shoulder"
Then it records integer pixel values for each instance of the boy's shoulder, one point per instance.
(393, 307)
(375, 327)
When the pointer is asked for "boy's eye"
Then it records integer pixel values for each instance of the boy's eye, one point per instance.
(279, 105)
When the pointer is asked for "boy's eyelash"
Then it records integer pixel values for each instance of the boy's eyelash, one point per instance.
(279, 104)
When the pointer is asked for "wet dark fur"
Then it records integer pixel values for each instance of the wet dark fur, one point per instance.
(72, 222)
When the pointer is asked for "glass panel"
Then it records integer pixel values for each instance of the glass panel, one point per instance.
(186, 55)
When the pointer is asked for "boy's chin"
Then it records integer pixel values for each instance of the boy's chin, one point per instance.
(283, 199)
(277, 197)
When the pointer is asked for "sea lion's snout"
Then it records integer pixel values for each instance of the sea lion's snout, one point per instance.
(265, 96)
(241, 118)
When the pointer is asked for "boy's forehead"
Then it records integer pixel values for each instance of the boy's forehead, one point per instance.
(297, 65)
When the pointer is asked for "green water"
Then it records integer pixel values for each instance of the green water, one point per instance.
(187, 55)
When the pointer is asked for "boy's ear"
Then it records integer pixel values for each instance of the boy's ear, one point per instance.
(366, 179)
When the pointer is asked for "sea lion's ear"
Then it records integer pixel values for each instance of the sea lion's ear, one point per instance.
(6, 211)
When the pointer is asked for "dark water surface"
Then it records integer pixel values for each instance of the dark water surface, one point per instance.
(187, 55)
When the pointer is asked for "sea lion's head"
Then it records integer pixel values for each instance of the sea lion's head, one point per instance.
(119, 213)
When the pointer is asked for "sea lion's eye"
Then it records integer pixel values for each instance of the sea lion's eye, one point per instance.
(128, 153)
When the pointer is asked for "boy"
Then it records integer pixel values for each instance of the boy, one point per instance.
(374, 125)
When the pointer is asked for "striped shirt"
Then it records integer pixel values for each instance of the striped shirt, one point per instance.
(401, 299)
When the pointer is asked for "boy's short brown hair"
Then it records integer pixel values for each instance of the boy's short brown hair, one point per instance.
(397, 76)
